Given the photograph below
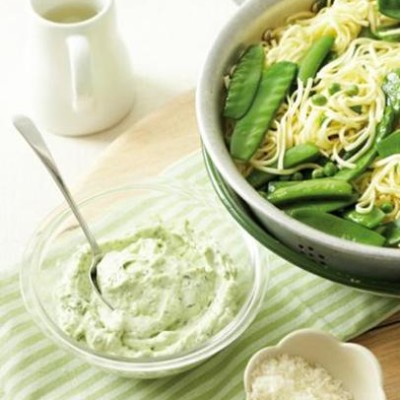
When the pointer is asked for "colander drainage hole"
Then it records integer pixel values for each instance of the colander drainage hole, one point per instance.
(309, 251)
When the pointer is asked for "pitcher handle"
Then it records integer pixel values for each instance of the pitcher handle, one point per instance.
(81, 73)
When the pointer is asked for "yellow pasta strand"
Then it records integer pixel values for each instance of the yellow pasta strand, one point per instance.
(347, 122)
(380, 185)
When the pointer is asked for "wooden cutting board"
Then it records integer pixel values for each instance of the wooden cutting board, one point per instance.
(169, 134)
(146, 148)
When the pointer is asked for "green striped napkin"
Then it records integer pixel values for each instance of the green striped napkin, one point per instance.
(32, 368)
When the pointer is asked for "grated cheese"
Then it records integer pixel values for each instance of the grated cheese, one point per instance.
(293, 378)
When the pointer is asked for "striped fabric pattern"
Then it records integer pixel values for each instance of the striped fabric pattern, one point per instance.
(33, 368)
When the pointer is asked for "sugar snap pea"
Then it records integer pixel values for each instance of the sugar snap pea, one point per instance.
(390, 8)
(258, 178)
(390, 33)
(384, 128)
(273, 186)
(296, 155)
(249, 131)
(315, 56)
(339, 227)
(300, 154)
(297, 176)
(387, 207)
(319, 100)
(392, 233)
(321, 205)
(391, 88)
(334, 88)
(244, 82)
(352, 90)
(312, 189)
(330, 169)
(347, 174)
(318, 173)
(386, 33)
(389, 145)
(370, 220)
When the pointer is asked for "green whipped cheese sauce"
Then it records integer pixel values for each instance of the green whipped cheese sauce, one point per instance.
(171, 291)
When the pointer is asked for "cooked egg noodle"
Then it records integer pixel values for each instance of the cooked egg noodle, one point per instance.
(343, 128)
(381, 185)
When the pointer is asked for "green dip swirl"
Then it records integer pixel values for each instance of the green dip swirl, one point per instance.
(171, 291)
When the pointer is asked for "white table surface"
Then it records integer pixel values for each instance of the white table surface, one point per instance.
(168, 42)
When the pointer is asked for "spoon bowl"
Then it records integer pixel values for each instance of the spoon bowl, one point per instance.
(93, 279)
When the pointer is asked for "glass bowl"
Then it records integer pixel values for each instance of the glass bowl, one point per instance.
(115, 213)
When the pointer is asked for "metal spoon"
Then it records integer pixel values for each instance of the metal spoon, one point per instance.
(35, 140)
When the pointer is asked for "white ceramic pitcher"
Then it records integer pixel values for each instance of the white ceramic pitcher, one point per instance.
(80, 73)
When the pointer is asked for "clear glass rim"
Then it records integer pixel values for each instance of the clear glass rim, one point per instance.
(247, 313)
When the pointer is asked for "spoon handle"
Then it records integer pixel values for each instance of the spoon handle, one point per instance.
(35, 140)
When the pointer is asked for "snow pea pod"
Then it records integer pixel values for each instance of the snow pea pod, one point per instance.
(296, 155)
(370, 220)
(273, 186)
(389, 145)
(300, 154)
(258, 178)
(348, 174)
(315, 56)
(250, 130)
(385, 33)
(390, 8)
(321, 205)
(392, 233)
(391, 88)
(339, 227)
(388, 34)
(312, 189)
(387, 207)
(244, 82)
(384, 128)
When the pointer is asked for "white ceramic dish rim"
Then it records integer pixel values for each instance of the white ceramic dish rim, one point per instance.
(326, 336)
(209, 125)
(221, 340)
